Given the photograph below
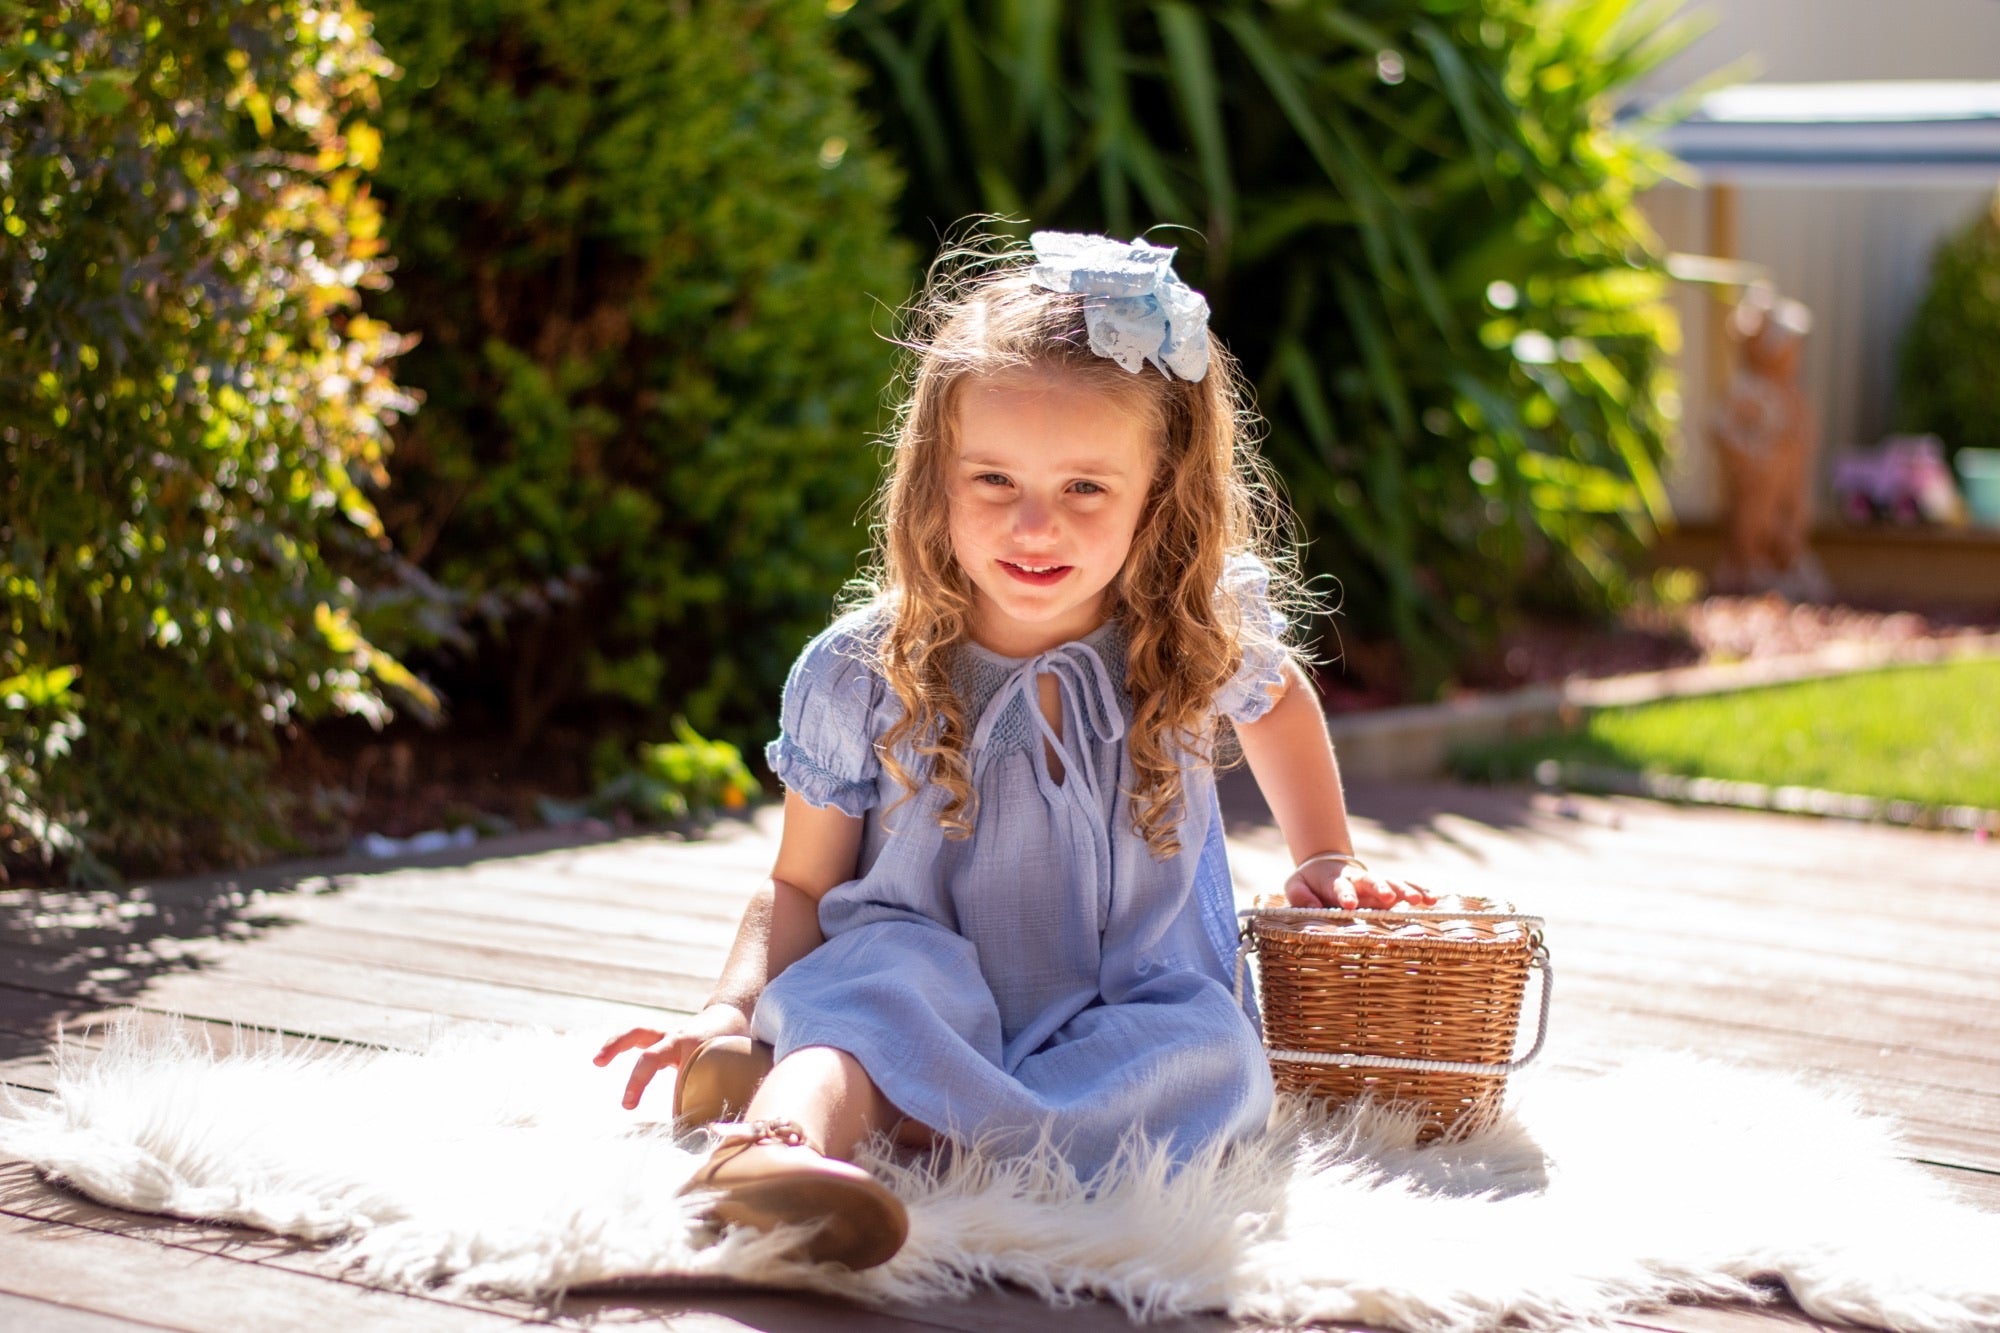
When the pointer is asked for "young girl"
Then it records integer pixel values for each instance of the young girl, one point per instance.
(1001, 909)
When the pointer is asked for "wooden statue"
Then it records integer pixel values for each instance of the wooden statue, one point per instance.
(1766, 435)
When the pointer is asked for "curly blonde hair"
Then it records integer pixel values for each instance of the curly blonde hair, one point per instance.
(980, 317)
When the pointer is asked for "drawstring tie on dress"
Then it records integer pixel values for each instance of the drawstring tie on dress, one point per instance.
(1089, 704)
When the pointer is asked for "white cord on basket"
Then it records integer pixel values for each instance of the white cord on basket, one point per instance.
(1539, 961)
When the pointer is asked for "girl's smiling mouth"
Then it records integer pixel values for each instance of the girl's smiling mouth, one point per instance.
(1041, 576)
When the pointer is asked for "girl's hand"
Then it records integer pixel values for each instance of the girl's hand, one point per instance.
(1342, 884)
(670, 1050)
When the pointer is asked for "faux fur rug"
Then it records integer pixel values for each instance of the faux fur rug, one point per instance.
(501, 1162)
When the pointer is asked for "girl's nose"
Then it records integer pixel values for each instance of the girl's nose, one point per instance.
(1034, 518)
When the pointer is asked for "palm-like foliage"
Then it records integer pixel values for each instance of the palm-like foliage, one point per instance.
(1415, 220)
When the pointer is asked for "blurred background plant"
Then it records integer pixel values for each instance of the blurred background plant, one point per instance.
(648, 248)
(650, 257)
(191, 408)
(687, 777)
(1948, 383)
(1415, 220)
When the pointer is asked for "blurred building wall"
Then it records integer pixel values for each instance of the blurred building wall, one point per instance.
(1858, 257)
(1813, 41)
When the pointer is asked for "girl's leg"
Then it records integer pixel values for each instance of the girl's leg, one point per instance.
(828, 1095)
(767, 1180)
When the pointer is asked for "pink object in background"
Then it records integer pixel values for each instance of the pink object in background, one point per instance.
(1904, 479)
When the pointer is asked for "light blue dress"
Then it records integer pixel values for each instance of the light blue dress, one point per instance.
(1048, 972)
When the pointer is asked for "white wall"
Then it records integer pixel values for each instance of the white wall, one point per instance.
(1857, 257)
(1809, 41)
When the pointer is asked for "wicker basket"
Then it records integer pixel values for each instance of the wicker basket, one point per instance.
(1419, 1008)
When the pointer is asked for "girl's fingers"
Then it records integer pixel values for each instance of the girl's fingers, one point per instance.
(637, 1037)
(1350, 891)
(1372, 892)
(649, 1064)
(1300, 891)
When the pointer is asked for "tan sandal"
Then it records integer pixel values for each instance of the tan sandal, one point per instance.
(718, 1080)
(767, 1174)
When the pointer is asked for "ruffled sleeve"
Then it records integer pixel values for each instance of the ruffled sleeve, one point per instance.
(1246, 587)
(825, 749)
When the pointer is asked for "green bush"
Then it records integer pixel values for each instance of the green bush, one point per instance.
(1949, 381)
(1415, 221)
(689, 777)
(190, 409)
(647, 247)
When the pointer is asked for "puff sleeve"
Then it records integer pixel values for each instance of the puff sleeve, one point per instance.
(1246, 589)
(825, 750)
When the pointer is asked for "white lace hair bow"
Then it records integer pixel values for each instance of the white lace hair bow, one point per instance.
(1146, 312)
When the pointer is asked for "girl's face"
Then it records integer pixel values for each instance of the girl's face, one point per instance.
(1046, 491)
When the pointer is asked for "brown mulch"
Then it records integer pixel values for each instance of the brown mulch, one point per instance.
(347, 781)
(1714, 629)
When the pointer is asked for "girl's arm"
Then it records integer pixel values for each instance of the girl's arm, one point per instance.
(818, 849)
(1291, 756)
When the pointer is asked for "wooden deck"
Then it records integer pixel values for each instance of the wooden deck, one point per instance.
(1866, 955)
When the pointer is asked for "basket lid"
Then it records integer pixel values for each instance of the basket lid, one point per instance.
(1454, 917)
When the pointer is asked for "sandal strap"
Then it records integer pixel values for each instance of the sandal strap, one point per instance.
(734, 1137)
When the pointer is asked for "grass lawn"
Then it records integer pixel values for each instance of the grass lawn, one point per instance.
(1925, 733)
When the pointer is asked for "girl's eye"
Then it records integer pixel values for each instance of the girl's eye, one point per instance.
(1087, 488)
(991, 479)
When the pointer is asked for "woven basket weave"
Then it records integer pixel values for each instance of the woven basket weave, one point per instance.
(1418, 1008)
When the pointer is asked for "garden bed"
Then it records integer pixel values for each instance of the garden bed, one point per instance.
(1883, 563)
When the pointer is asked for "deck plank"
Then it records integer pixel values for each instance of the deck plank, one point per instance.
(1778, 1317)
(27, 1313)
(672, 984)
(426, 922)
(173, 1286)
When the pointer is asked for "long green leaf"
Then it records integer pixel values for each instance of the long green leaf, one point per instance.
(1185, 34)
(1375, 354)
(977, 111)
(906, 74)
(1461, 90)
(1150, 174)
(1618, 399)
(1366, 36)
(1293, 367)
(1103, 60)
(1281, 221)
(1034, 27)
(1291, 99)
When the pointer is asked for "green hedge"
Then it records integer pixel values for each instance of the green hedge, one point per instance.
(190, 409)
(1949, 372)
(647, 247)
(1415, 221)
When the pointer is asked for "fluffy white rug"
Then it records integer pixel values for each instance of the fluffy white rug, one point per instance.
(501, 1162)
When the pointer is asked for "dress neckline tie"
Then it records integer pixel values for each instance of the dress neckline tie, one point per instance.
(1090, 708)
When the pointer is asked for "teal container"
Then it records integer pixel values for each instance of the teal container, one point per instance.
(1979, 474)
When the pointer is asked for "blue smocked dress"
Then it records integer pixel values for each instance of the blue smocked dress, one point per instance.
(1048, 972)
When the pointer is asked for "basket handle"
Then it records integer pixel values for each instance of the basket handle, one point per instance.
(1539, 962)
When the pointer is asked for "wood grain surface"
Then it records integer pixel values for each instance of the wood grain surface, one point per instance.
(1859, 956)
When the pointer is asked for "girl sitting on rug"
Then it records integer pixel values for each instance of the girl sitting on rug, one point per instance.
(1001, 909)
